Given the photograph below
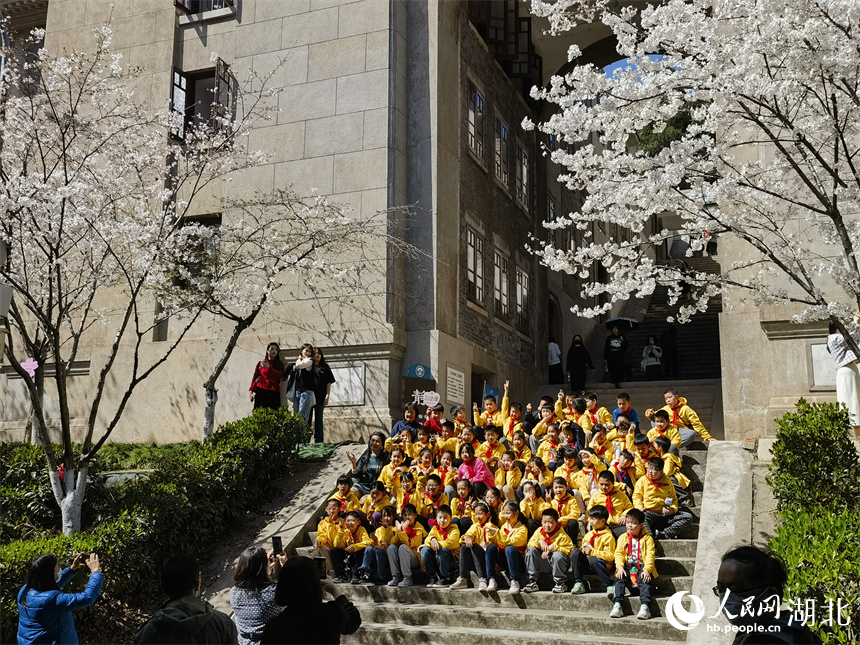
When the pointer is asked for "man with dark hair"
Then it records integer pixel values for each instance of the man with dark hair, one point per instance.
(185, 618)
(749, 576)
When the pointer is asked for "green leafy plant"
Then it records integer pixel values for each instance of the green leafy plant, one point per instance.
(815, 462)
(821, 551)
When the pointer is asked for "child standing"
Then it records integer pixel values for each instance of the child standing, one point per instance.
(403, 557)
(596, 554)
(441, 549)
(548, 552)
(634, 562)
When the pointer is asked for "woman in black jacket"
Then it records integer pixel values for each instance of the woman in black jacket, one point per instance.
(306, 618)
(366, 469)
(578, 364)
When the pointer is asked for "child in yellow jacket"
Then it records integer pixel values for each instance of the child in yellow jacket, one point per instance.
(403, 557)
(683, 417)
(441, 549)
(423, 442)
(634, 566)
(520, 448)
(655, 496)
(446, 471)
(569, 469)
(328, 527)
(569, 507)
(347, 554)
(423, 467)
(508, 548)
(612, 497)
(390, 474)
(564, 407)
(448, 440)
(603, 448)
(514, 423)
(473, 547)
(492, 415)
(596, 413)
(548, 551)
(596, 554)
(548, 449)
(376, 555)
(491, 450)
(409, 493)
(401, 440)
(508, 476)
(672, 469)
(345, 497)
(663, 428)
(432, 499)
(377, 500)
(461, 506)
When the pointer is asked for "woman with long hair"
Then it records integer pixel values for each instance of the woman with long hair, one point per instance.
(44, 611)
(323, 378)
(301, 381)
(306, 618)
(266, 384)
(252, 596)
(847, 369)
(367, 468)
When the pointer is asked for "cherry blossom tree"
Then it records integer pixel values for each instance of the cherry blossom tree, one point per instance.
(96, 196)
(767, 158)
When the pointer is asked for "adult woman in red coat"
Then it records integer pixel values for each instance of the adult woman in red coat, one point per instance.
(266, 384)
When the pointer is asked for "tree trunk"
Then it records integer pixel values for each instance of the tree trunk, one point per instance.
(209, 412)
(69, 495)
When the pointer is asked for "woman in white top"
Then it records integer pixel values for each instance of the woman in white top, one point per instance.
(652, 364)
(556, 372)
(847, 369)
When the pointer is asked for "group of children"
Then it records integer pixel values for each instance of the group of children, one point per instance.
(569, 490)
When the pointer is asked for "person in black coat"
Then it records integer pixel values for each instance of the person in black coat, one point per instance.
(306, 618)
(578, 364)
(615, 355)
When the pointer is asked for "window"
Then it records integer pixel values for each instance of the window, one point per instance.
(522, 176)
(550, 216)
(206, 246)
(475, 267)
(522, 300)
(199, 6)
(502, 151)
(500, 284)
(203, 98)
(476, 121)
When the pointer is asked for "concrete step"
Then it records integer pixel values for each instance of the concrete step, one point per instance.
(387, 634)
(677, 548)
(532, 621)
(694, 457)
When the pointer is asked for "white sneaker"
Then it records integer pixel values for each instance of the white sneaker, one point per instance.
(514, 588)
(482, 584)
(616, 611)
(460, 583)
(644, 613)
(492, 585)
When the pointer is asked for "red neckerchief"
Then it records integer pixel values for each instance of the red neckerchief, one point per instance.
(519, 454)
(410, 532)
(675, 418)
(342, 502)
(653, 483)
(594, 535)
(609, 503)
(352, 538)
(462, 501)
(600, 450)
(561, 502)
(435, 500)
(442, 473)
(547, 538)
(491, 449)
(593, 417)
(469, 470)
(406, 497)
(443, 532)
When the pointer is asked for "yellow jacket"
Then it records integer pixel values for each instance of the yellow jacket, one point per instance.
(327, 532)
(685, 416)
(369, 508)
(568, 474)
(393, 442)
(510, 427)
(602, 545)
(531, 510)
(347, 503)
(671, 434)
(415, 540)
(449, 539)
(511, 477)
(414, 497)
(539, 429)
(601, 415)
(515, 536)
(446, 476)
(620, 504)
(651, 496)
(646, 557)
(639, 463)
(548, 451)
(567, 508)
(564, 413)
(415, 449)
(360, 539)
(427, 506)
(459, 508)
(605, 450)
(497, 418)
(480, 534)
(584, 421)
(559, 540)
(443, 445)
(523, 455)
(387, 534)
(487, 452)
(389, 479)
(672, 467)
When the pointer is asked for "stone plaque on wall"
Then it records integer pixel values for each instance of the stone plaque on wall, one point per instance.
(455, 382)
(348, 388)
(823, 368)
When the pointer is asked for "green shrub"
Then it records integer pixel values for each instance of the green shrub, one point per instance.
(815, 462)
(821, 551)
(185, 503)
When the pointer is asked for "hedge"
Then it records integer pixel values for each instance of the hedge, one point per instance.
(815, 478)
(183, 505)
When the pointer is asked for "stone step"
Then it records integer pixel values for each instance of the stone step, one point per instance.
(694, 456)
(387, 634)
(677, 548)
(532, 621)
(594, 601)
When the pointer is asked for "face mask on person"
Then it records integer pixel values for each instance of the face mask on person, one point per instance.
(651, 341)
(738, 611)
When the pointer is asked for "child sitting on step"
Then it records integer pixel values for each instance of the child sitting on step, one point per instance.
(440, 550)
(473, 547)
(508, 549)
(655, 496)
(348, 552)
(613, 498)
(596, 554)
(376, 555)
(548, 551)
(403, 556)
(634, 563)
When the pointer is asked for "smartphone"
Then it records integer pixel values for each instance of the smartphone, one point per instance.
(277, 544)
(321, 568)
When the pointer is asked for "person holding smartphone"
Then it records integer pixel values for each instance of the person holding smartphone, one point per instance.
(44, 611)
(252, 596)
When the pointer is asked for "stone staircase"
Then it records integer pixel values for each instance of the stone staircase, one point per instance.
(421, 615)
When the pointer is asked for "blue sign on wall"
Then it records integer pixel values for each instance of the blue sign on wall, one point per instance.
(419, 371)
(491, 391)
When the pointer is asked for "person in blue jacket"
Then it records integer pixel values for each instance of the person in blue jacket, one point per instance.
(45, 612)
